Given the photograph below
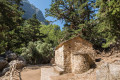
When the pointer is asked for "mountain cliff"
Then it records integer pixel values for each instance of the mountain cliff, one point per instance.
(30, 10)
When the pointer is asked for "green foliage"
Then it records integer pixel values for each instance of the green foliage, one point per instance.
(38, 52)
(78, 15)
(10, 19)
(30, 31)
(53, 33)
(104, 29)
(70, 33)
(108, 26)
(73, 12)
(14, 31)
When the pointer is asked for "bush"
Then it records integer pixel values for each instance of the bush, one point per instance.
(37, 52)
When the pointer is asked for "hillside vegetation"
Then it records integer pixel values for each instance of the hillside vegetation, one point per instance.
(97, 21)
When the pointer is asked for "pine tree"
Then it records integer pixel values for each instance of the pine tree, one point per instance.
(108, 18)
(30, 31)
(73, 12)
(10, 20)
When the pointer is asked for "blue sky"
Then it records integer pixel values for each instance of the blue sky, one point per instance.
(42, 5)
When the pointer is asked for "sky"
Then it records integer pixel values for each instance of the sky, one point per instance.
(42, 5)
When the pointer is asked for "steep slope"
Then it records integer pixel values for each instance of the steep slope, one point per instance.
(30, 10)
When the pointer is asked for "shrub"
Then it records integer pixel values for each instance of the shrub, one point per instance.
(37, 52)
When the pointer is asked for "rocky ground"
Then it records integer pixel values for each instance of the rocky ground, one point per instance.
(107, 68)
(28, 73)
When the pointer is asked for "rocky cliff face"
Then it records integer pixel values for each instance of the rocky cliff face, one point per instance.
(30, 10)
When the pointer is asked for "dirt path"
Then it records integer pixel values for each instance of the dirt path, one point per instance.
(38, 73)
(31, 75)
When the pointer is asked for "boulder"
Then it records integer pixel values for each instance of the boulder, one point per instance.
(19, 63)
(114, 71)
(20, 58)
(108, 71)
(103, 72)
(3, 63)
(5, 70)
(10, 55)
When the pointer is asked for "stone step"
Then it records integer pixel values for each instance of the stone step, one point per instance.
(47, 73)
(59, 70)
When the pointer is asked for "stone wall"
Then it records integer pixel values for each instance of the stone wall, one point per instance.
(81, 63)
(83, 47)
(67, 58)
(59, 57)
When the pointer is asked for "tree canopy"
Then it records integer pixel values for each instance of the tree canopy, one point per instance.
(97, 21)
(73, 12)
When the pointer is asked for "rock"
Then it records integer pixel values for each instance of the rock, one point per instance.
(52, 61)
(3, 63)
(103, 72)
(5, 70)
(2, 55)
(108, 71)
(20, 58)
(114, 71)
(19, 64)
(10, 55)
